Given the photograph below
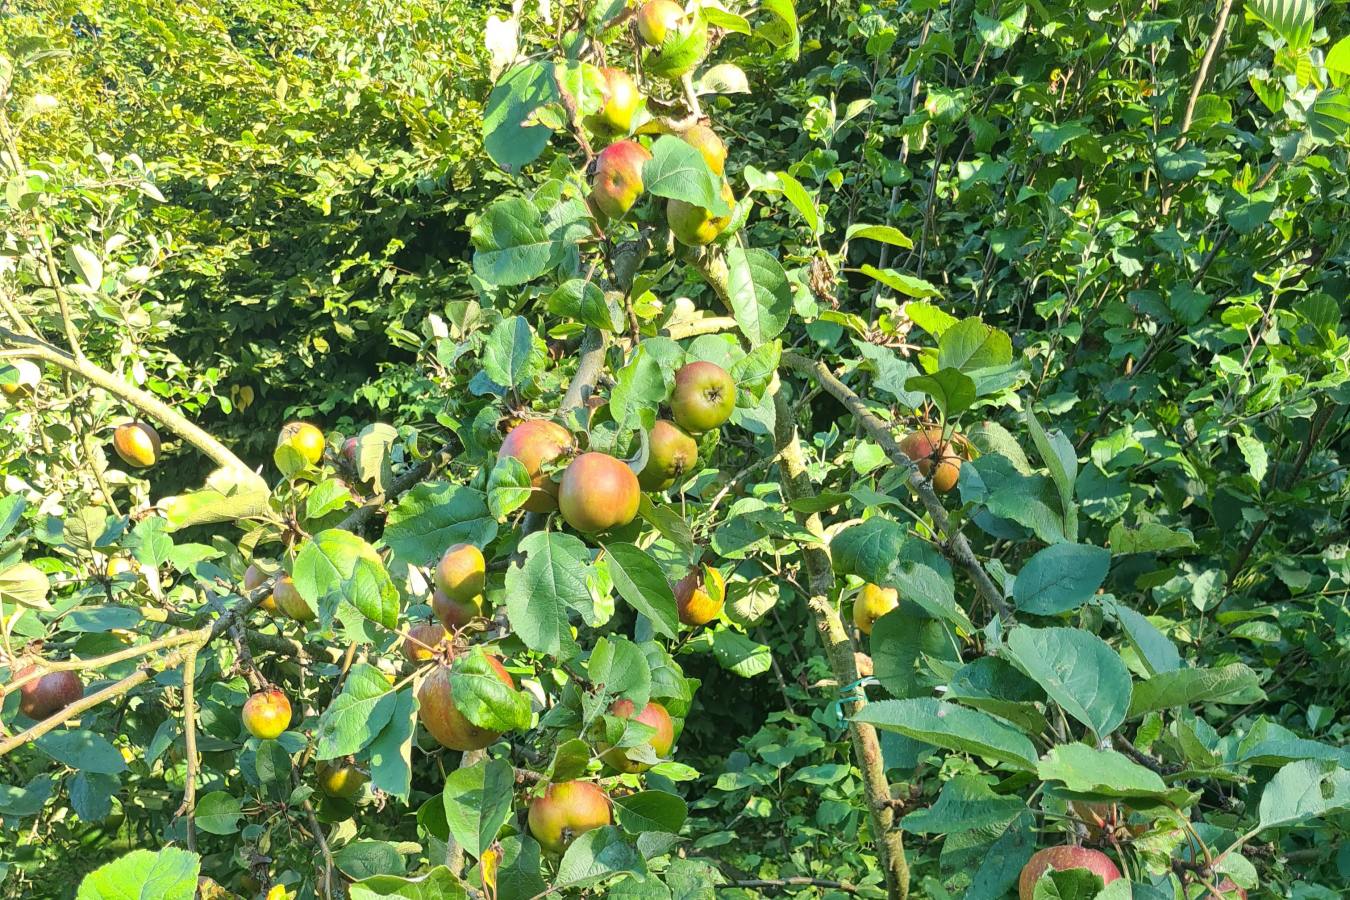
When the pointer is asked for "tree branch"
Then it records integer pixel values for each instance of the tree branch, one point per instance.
(1212, 50)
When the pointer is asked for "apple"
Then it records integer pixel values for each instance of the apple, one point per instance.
(267, 714)
(137, 443)
(341, 780)
(671, 454)
(699, 596)
(286, 597)
(24, 376)
(653, 715)
(617, 182)
(565, 810)
(1059, 859)
(536, 443)
(304, 439)
(871, 604)
(928, 446)
(656, 19)
(443, 720)
(704, 397)
(455, 614)
(709, 145)
(48, 694)
(422, 642)
(695, 226)
(621, 102)
(598, 492)
(461, 572)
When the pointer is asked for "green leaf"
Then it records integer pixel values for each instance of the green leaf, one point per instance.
(357, 715)
(1078, 670)
(1155, 650)
(27, 800)
(781, 30)
(1057, 452)
(970, 345)
(640, 581)
(84, 750)
(91, 795)
(89, 265)
(583, 301)
(737, 653)
(886, 234)
(677, 171)
(1234, 683)
(754, 372)
(26, 585)
(621, 668)
(1338, 62)
(953, 727)
(639, 388)
(431, 517)
(1087, 770)
(509, 486)
(478, 802)
(909, 285)
(391, 751)
(365, 859)
(510, 244)
(1181, 165)
(483, 698)
(1149, 537)
(511, 135)
(801, 200)
(1303, 790)
(1068, 884)
(169, 874)
(328, 496)
(761, 298)
(952, 391)
(438, 884)
(966, 802)
(513, 356)
(218, 813)
(1290, 19)
(596, 855)
(540, 591)
(1060, 578)
(1004, 860)
(650, 811)
(338, 562)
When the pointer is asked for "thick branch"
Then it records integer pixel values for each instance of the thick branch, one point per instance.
(588, 370)
(956, 546)
(25, 347)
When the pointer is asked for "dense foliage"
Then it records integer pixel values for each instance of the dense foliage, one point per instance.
(940, 493)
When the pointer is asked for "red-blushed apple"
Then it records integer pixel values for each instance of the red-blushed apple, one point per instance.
(48, 694)
(422, 642)
(443, 720)
(671, 454)
(536, 443)
(461, 572)
(1059, 859)
(455, 614)
(286, 597)
(699, 596)
(598, 492)
(656, 19)
(617, 183)
(653, 715)
(267, 714)
(137, 444)
(564, 811)
(621, 103)
(928, 446)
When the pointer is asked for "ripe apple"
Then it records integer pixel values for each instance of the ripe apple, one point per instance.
(267, 714)
(455, 614)
(286, 597)
(536, 443)
(671, 453)
(423, 641)
(443, 720)
(704, 397)
(656, 19)
(927, 446)
(695, 226)
(653, 715)
(709, 145)
(137, 443)
(341, 780)
(461, 572)
(1059, 859)
(871, 604)
(49, 694)
(699, 596)
(566, 810)
(304, 439)
(617, 182)
(621, 102)
(598, 492)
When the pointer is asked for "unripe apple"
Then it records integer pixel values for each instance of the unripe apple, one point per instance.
(254, 578)
(24, 378)
(137, 443)
(443, 720)
(267, 714)
(695, 226)
(118, 565)
(656, 19)
(1059, 859)
(566, 810)
(287, 598)
(653, 715)
(455, 614)
(704, 397)
(423, 641)
(341, 780)
(671, 454)
(536, 443)
(926, 447)
(617, 182)
(49, 694)
(700, 595)
(461, 572)
(304, 439)
(598, 492)
(709, 145)
(621, 102)
(871, 604)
